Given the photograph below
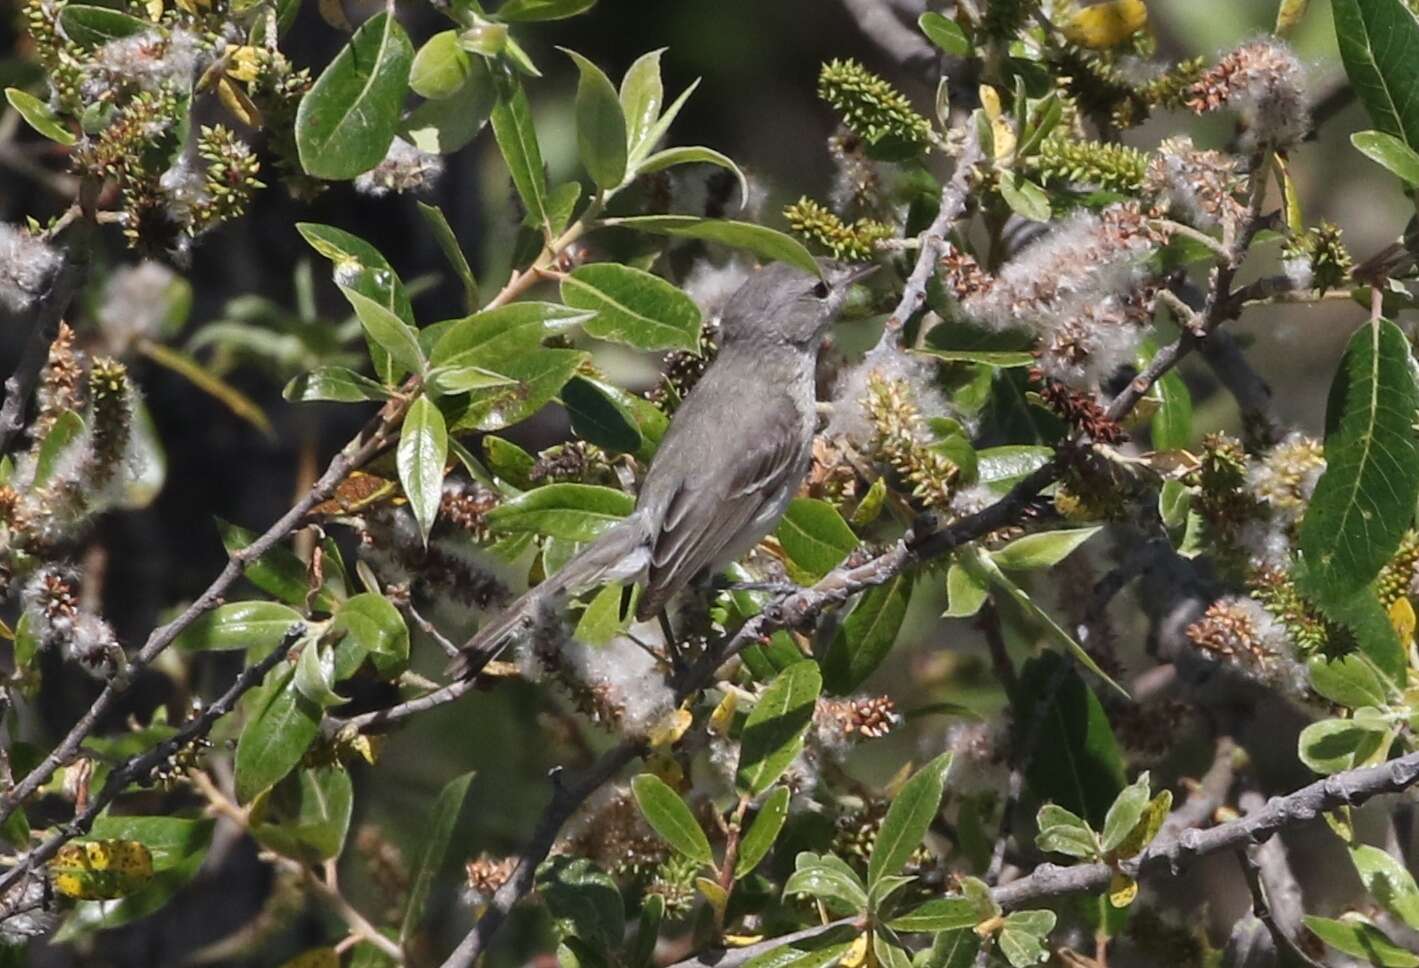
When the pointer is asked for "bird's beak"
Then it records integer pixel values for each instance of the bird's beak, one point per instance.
(857, 273)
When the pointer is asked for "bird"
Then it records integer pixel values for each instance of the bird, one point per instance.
(731, 460)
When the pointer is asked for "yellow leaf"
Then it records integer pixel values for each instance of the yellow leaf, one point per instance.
(234, 99)
(1291, 205)
(1341, 823)
(714, 894)
(670, 728)
(741, 940)
(856, 953)
(314, 958)
(665, 766)
(244, 63)
(1147, 827)
(334, 13)
(990, 102)
(1105, 25)
(723, 716)
(1401, 616)
(209, 383)
(155, 10)
(1122, 890)
(1290, 13)
(97, 870)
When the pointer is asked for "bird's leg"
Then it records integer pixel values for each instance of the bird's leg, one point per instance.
(672, 645)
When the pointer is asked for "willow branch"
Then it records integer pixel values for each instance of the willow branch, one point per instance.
(1049, 882)
(138, 767)
(359, 450)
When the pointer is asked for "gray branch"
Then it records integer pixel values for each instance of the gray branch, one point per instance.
(139, 767)
(1171, 855)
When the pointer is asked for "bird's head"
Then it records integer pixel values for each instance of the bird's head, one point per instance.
(783, 304)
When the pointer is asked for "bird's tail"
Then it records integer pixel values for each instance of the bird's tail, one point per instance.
(614, 556)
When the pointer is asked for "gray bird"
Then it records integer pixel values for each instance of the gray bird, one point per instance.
(734, 455)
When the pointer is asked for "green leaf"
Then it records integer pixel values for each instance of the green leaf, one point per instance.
(1001, 358)
(1349, 681)
(1389, 152)
(1358, 937)
(526, 11)
(642, 951)
(887, 950)
(773, 732)
(662, 125)
(908, 819)
(815, 538)
(310, 818)
(170, 840)
(509, 461)
(278, 572)
(1389, 882)
(539, 377)
(38, 116)
(1365, 619)
(938, 914)
(867, 635)
(315, 675)
(1332, 745)
(453, 380)
(346, 122)
(373, 628)
(1172, 424)
(1042, 550)
(438, 831)
(1379, 45)
(360, 266)
(695, 155)
(281, 727)
(641, 95)
(826, 877)
(1024, 197)
(952, 949)
(448, 243)
(762, 832)
(601, 621)
(945, 33)
(258, 626)
(90, 26)
(985, 569)
(1065, 832)
(1077, 762)
(671, 818)
(1001, 468)
(584, 902)
(423, 451)
(965, 594)
(440, 68)
(600, 124)
(1022, 937)
(764, 242)
(67, 428)
(1365, 499)
(443, 126)
(334, 383)
(392, 334)
(634, 307)
(1126, 811)
(599, 418)
(822, 950)
(572, 512)
(495, 337)
(517, 139)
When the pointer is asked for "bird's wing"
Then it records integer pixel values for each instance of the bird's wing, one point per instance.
(709, 510)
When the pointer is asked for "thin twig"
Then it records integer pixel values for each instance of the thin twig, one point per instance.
(1261, 907)
(566, 798)
(1049, 881)
(364, 446)
(140, 766)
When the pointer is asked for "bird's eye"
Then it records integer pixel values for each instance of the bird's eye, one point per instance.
(821, 290)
